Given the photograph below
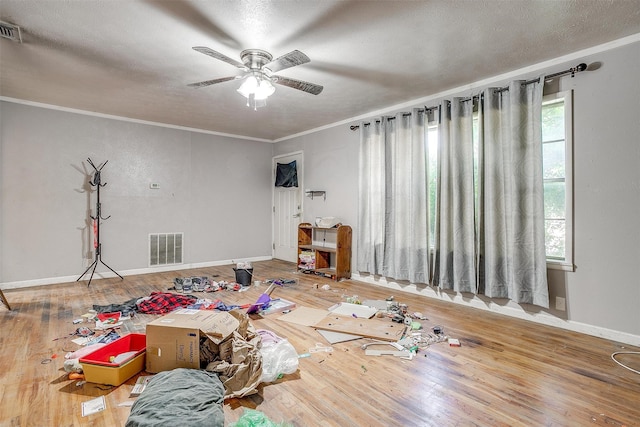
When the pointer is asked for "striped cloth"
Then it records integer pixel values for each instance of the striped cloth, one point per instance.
(164, 302)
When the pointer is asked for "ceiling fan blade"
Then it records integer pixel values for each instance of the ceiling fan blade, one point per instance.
(289, 60)
(311, 88)
(217, 55)
(212, 82)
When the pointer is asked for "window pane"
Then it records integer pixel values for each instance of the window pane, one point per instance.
(432, 141)
(553, 121)
(557, 172)
(554, 200)
(553, 160)
(555, 238)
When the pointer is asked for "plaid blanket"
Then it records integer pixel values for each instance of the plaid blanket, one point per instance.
(164, 302)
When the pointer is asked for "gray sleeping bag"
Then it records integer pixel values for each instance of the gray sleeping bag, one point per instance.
(181, 397)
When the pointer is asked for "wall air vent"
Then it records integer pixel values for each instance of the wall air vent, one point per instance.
(10, 31)
(165, 249)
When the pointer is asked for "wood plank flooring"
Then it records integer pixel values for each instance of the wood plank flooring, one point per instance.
(508, 372)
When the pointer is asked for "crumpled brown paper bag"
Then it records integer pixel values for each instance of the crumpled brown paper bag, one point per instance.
(238, 361)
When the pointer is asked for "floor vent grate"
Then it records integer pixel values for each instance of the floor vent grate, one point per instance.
(165, 248)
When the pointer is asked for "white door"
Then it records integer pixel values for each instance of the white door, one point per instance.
(287, 212)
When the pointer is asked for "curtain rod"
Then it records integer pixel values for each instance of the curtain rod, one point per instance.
(573, 70)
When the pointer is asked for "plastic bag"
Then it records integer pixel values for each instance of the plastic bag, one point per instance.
(278, 358)
(253, 418)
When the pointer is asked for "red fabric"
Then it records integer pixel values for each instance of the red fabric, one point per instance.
(95, 234)
(164, 302)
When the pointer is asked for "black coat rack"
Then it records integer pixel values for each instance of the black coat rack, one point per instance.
(96, 182)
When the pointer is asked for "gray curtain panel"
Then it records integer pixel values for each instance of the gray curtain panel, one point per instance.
(371, 203)
(512, 250)
(406, 236)
(393, 240)
(455, 218)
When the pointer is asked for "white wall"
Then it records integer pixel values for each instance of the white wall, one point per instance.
(331, 165)
(605, 288)
(215, 189)
(603, 294)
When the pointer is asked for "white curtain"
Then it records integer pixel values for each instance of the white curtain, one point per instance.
(393, 152)
(512, 244)
(371, 196)
(455, 264)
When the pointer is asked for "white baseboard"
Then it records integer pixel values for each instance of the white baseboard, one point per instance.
(507, 310)
(110, 274)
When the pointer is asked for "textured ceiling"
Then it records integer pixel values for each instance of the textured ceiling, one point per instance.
(134, 58)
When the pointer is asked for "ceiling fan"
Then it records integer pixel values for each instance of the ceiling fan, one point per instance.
(258, 69)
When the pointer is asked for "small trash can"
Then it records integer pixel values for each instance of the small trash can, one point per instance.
(244, 276)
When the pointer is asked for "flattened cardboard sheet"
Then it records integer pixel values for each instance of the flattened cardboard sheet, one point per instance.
(354, 310)
(304, 316)
(376, 303)
(336, 337)
(381, 329)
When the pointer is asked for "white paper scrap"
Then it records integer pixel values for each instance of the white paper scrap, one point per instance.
(81, 340)
(141, 384)
(355, 310)
(93, 406)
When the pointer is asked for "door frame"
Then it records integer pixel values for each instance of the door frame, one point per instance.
(300, 170)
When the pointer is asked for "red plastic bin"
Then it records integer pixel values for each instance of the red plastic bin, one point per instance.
(99, 368)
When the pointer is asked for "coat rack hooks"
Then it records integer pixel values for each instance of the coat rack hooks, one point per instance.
(96, 181)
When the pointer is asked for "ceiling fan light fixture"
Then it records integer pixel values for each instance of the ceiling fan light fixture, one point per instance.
(249, 86)
(264, 90)
(256, 103)
(256, 89)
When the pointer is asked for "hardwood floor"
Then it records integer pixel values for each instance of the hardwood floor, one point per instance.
(508, 372)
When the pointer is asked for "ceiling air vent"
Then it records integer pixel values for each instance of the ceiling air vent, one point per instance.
(10, 31)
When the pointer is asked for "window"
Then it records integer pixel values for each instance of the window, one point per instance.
(557, 175)
(432, 176)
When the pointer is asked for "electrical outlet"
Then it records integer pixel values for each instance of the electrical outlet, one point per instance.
(561, 304)
(154, 186)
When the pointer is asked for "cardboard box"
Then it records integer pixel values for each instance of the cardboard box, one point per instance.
(100, 368)
(173, 341)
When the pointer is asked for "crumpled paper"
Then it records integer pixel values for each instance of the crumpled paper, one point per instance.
(237, 359)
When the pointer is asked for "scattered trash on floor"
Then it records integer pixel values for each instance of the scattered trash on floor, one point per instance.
(281, 282)
(321, 348)
(93, 406)
(353, 300)
(278, 356)
(393, 331)
(140, 385)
